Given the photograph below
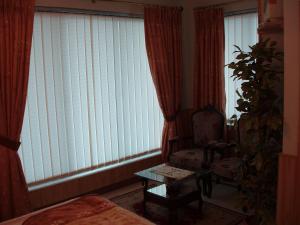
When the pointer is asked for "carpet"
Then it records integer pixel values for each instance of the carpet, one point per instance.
(188, 215)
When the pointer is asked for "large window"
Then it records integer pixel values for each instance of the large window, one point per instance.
(91, 100)
(240, 30)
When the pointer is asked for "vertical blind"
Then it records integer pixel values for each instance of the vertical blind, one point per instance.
(91, 100)
(240, 30)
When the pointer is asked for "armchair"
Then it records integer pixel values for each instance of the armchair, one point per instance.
(226, 166)
(207, 126)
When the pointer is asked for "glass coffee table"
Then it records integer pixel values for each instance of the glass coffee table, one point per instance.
(174, 191)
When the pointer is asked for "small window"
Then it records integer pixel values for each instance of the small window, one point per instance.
(240, 30)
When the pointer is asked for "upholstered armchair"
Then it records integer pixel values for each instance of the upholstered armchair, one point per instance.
(226, 166)
(207, 126)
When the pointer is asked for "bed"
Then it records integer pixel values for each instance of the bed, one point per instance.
(86, 210)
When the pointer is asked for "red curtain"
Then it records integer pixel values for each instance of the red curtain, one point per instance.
(209, 59)
(16, 25)
(260, 4)
(163, 33)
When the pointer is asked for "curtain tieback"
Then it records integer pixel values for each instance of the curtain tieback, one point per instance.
(11, 144)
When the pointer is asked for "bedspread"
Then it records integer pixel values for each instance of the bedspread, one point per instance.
(87, 210)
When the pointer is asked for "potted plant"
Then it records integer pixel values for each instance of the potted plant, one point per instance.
(261, 105)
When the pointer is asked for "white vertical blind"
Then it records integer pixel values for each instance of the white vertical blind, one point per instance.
(240, 30)
(91, 100)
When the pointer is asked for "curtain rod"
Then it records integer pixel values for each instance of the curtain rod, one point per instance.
(86, 12)
(128, 2)
(239, 12)
(221, 5)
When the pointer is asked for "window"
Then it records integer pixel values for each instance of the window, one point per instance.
(91, 100)
(240, 30)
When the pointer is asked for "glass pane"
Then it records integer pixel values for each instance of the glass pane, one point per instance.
(240, 30)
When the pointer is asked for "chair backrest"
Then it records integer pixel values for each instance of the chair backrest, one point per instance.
(208, 125)
(184, 122)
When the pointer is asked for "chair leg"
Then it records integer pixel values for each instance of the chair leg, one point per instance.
(218, 180)
(207, 186)
(210, 186)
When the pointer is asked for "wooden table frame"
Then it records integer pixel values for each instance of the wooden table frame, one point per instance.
(172, 203)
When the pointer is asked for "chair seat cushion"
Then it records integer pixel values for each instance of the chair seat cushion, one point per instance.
(227, 167)
(191, 159)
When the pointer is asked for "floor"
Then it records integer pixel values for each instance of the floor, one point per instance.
(227, 197)
(122, 190)
(223, 195)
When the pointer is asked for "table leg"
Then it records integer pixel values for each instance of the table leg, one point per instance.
(208, 185)
(173, 215)
(204, 187)
(145, 185)
(200, 200)
(200, 204)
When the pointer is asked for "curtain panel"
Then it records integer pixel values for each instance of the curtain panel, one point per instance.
(16, 25)
(209, 59)
(163, 34)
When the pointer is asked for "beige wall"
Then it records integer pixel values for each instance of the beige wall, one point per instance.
(189, 38)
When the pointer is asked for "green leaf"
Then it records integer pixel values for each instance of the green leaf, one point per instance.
(237, 48)
(259, 162)
(260, 102)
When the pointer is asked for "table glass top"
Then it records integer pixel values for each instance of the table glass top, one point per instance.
(170, 191)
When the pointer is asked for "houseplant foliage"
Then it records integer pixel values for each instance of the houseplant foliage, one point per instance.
(261, 105)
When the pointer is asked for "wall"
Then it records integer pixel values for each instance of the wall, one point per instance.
(189, 38)
(289, 167)
(291, 77)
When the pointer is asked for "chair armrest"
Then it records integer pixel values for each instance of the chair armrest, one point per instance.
(219, 147)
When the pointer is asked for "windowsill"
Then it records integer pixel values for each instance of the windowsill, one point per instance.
(57, 181)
